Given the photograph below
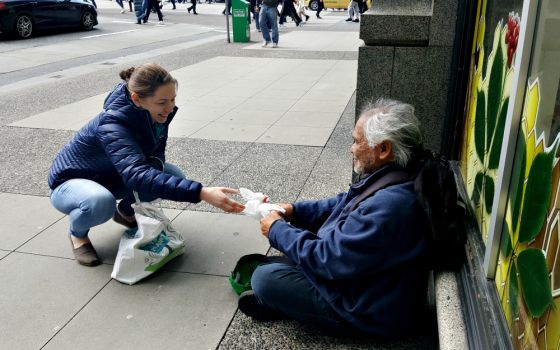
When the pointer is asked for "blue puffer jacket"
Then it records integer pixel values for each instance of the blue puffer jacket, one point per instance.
(370, 263)
(119, 148)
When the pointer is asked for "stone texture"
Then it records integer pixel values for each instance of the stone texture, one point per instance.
(427, 70)
(395, 29)
(451, 325)
(442, 27)
(375, 68)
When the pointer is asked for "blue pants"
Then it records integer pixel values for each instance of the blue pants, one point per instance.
(268, 21)
(89, 204)
(283, 288)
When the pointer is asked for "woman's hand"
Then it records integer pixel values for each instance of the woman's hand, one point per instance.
(217, 197)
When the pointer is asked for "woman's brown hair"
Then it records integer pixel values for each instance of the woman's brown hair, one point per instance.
(144, 80)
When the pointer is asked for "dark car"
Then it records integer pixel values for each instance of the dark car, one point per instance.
(24, 17)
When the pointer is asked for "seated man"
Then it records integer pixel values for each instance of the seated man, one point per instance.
(361, 270)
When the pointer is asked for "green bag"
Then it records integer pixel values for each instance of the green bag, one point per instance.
(240, 278)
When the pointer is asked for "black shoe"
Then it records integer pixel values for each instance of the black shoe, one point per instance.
(319, 17)
(348, 19)
(189, 9)
(250, 306)
(356, 20)
(138, 21)
(194, 13)
(306, 18)
(123, 219)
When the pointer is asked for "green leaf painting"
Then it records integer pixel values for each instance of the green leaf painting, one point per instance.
(513, 291)
(480, 125)
(505, 245)
(488, 193)
(535, 283)
(492, 101)
(537, 196)
(498, 137)
(518, 179)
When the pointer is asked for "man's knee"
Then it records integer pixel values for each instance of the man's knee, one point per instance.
(266, 278)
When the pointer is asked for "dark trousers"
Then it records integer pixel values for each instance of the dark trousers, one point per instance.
(153, 4)
(288, 9)
(193, 6)
(320, 8)
(283, 288)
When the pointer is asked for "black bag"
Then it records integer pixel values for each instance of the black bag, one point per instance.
(436, 192)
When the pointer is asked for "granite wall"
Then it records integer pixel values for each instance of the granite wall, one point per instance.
(407, 56)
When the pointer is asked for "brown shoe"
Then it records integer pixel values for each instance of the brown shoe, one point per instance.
(125, 220)
(85, 254)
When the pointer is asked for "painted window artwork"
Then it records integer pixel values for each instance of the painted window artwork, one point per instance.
(489, 88)
(528, 272)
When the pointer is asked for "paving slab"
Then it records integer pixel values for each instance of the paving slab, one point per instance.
(23, 217)
(276, 85)
(245, 333)
(315, 41)
(166, 311)
(39, 295)
(265, 159)
(302, 135)
(215, 241)
(105, 238)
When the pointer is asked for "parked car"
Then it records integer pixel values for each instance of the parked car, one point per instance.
(24, 17)
(331, 4)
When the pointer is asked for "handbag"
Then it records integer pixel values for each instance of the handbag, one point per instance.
(147, 248)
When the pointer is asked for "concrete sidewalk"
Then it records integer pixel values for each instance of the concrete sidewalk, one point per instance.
(269, 120)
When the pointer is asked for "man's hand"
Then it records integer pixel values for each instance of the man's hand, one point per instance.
(289, 211)
(217, 197)
(267, 221)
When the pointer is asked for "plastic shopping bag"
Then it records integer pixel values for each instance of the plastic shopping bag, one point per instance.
(257, 205)
(145, 250)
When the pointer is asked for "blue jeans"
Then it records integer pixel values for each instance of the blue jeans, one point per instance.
(268, 18)
(282, 287)
(89, 204)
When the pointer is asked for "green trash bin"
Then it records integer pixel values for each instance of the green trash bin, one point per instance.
(241, 30)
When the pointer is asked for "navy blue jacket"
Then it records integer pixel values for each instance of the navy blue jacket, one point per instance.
(119, 148)
(368, 264)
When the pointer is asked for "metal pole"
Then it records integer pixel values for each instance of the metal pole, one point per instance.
(227, 20)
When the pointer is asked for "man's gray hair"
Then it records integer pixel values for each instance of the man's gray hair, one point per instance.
(394, 121)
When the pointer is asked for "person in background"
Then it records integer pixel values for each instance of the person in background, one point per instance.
(192, 7)
(353, 11)
(353, 267)
(301, 10)
(268, 18)
(320, 7)
(122, 150)
(288, 9)
(153, 5)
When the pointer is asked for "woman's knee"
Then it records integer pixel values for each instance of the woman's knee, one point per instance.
(102, 205)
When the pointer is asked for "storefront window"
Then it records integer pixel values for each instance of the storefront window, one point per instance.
(528, 270)
(491, 75)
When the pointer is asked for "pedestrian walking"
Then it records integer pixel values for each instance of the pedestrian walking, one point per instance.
(268, 18)
(288, 9)
(301, 10)
(120, 3)
(353, 11)
(153, 5)
(192, 7)
(320, 7)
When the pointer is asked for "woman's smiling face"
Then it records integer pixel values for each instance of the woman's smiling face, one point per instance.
(160, 105)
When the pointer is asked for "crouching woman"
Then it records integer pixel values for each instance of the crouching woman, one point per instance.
(122, 150)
